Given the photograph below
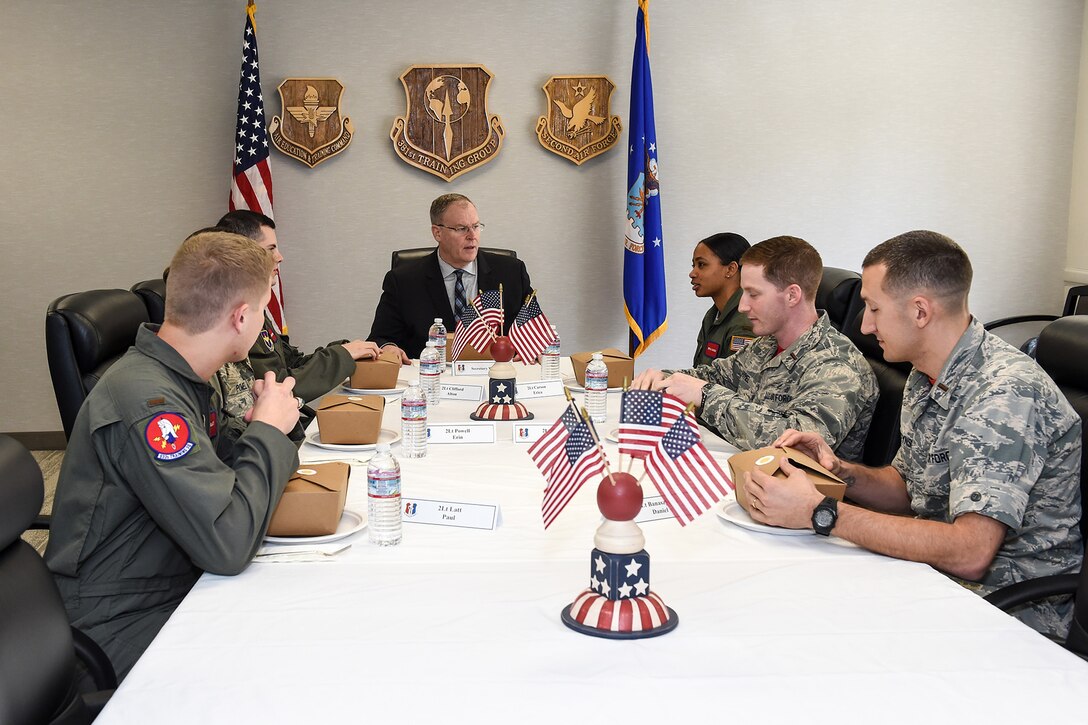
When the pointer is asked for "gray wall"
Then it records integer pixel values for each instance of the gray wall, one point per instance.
(843, 122)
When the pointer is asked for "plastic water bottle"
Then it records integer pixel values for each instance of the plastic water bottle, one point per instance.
(413, 422)
(437, 335)
(597, 388)
(430, 373)
(549, 359)
(383, 497)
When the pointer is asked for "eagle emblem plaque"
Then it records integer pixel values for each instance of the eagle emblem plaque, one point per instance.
(577, 125)
(312, 128)
(446, 130)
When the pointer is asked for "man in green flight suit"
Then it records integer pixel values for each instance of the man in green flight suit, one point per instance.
(144, 501)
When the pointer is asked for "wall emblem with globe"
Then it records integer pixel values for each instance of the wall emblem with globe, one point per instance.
(447, 130)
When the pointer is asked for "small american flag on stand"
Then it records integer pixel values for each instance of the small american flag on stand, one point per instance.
(581, 460)
(251, 178)
(477, 323)
(531, 331)
(645, 416)
(685, 474)
(547, 449)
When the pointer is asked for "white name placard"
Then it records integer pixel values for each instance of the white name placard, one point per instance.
(529, 432)
(472, 367)
(540, 389)
(461, 433)
(458, 514)
(458, 391)
(653, 509)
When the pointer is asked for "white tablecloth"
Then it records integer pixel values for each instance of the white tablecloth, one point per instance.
(458, 625)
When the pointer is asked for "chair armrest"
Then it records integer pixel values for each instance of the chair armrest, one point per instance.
(1017, 319)
(97, 662)
(1032, 589)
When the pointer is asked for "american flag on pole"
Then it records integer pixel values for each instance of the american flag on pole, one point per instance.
(477, 323)
(581, 460)
(685, 474)
(547, 449)
(251, 180)
(531, 331)
(645, 416)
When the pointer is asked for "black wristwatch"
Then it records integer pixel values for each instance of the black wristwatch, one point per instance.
(825, 515)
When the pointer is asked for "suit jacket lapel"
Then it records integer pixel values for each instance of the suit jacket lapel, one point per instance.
(436, 288)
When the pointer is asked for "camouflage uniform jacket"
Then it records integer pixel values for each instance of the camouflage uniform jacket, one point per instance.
(819, 383)
(995, 436)
(723, 334)
(315, 374)
(233, 383)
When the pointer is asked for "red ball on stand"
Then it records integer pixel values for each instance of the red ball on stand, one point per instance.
(620, 501)
(502, 350)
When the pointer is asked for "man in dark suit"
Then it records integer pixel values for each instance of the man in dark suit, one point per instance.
(443, 282)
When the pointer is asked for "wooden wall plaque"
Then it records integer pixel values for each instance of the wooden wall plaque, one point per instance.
(312, 128)
(577, 125)
(447, 130)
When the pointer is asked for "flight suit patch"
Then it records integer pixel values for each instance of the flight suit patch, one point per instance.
(167, 435)
(712, 349)
(267, 340)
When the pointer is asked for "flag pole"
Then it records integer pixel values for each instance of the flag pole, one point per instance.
(584, 414)
(502, 312)
(480, 312)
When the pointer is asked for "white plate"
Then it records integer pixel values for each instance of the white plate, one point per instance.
(572, 383)
(385, 435)
(734, 513)
(613, 436)
(401, 386)
(350, 522)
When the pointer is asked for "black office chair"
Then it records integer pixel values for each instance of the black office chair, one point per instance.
(85, 333)
(1022, 331)
(882, 440)
(400, 256)
(1063, 354)
(153, 293)
(38, 648)
(839, 294)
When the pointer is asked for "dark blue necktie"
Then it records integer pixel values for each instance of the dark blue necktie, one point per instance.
(458, 294)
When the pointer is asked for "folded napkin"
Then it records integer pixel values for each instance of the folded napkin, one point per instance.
(300, 552)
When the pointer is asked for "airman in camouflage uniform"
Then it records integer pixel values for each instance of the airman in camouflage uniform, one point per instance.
(233, 383)
(995, 436)
(819, 383)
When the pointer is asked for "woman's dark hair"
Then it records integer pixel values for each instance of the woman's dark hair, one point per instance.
(727, 246)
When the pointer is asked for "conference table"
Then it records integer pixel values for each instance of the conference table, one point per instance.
(463, 624)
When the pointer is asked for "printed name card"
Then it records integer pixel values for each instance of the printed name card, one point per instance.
(529, 432)
(461, 433)
(653, 509)
(472, 367)
(540, 389)
(458, 391)
(451, 513)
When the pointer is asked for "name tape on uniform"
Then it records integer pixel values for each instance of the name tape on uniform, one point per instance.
(458, 514)
(461, 433)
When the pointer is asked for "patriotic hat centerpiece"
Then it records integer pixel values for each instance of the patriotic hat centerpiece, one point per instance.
(619, 603)
(660, 431)
(501, 403)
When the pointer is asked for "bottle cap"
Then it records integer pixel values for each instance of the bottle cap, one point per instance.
(431, 343)
(438, 319)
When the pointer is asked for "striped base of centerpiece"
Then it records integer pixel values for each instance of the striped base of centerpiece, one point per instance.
(629, 618)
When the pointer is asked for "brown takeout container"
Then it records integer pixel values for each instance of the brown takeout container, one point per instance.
(313, 501)
(350, 419)
(469, 353)
(767, 460)
(379, 373)
(620, 366)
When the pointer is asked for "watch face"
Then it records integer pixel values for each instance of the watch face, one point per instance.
(824, 518)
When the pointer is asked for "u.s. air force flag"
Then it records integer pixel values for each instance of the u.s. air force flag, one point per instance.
(643, 256)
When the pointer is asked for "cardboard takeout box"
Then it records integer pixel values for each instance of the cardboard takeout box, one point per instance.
(620, 366)
(313, 501)
(767, 460)
(350, 419)
(379, 373)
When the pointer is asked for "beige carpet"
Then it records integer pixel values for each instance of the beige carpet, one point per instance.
(49, 461)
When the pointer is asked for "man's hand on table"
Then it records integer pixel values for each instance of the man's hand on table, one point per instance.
(685, 387)
(813, 446)
(785, 502)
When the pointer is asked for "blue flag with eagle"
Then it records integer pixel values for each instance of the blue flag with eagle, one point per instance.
(643, 256)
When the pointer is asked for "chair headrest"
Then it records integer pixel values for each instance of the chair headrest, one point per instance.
(836, 290)
(21, 490)
(101, 323)
(1063, 351)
